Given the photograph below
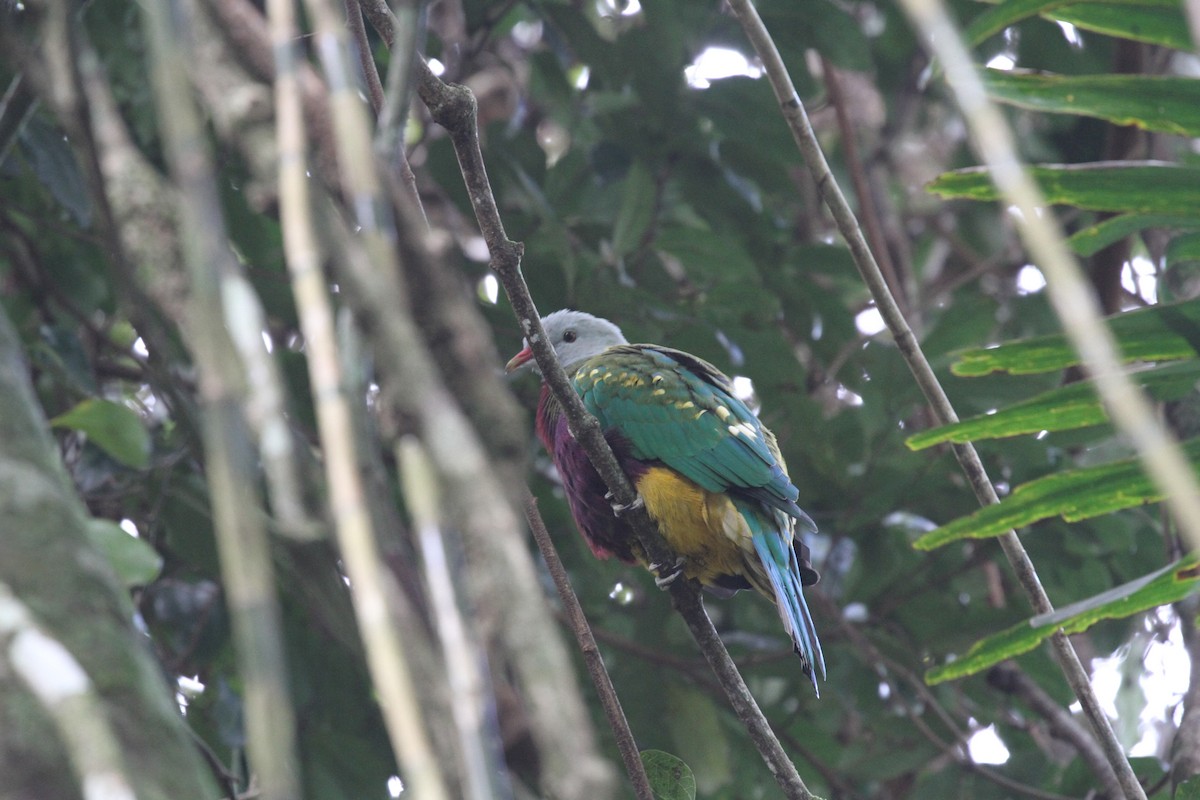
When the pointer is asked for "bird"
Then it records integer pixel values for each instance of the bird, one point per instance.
(709, 473)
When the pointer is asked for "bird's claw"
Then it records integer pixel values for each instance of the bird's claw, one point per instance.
(665, 575)
(621, 509)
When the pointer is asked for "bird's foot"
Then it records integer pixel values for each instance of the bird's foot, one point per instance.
(666, 574)
(621, 509)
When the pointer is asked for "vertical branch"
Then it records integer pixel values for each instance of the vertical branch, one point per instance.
(366, 61)
(245, 558)
(906, 342)
(371, 586)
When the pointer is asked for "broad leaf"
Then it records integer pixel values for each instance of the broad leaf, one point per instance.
(1150, 102)
(1158, 22)
(114, 428)
(1168, 585)
(1002, 15)
(135, 562)
(670, 778)
(1094, 238)
(1073, 406)
(1184, 249)
(1189, 789)
(637, 210)
(1145, 187)
(53, 162)
(1161, 333)
(1073, 495)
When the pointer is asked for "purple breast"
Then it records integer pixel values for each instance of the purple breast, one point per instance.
(604, 532)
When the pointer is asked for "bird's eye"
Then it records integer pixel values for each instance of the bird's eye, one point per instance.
(569, 336)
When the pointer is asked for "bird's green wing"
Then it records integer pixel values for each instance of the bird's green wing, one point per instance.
(680, 410)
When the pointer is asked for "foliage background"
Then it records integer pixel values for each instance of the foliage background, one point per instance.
(682, 212)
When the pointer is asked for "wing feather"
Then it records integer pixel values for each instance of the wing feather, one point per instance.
(680, 410)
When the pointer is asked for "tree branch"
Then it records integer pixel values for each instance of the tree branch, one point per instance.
(797, 119)
(454, 108)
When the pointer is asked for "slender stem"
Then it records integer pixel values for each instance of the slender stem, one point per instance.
(243, 547)
(573, 612)
(1011, 680)
(362, 46)
(862, 186)
(360, 551)
(797, 119)
(1079, 313)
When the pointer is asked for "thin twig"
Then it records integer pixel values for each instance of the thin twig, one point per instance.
(1009, 679)
(797, 119)
(366, 61)
(454, 108)
(578, 623)
(862, 187)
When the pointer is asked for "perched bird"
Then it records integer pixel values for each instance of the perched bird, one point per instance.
(709, 473)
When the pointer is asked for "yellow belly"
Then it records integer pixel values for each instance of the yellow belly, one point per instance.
(702, 527)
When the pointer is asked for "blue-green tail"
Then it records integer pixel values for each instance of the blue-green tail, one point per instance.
(783, 570)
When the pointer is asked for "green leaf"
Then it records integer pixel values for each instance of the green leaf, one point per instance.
(1167, 585)
(1161, 333)
(1151, 102)
(637, 210)
(1189, 789)
(670, 778)
(1002, 15)
(114, 428)
(135, 562)
(1093, 238)
(1183, 249)
(699, 736)
(1073, 495)
(1073, 406)
(1145, 187)
(1160, 22)
(53, 162)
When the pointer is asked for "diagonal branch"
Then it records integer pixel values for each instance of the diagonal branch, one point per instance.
(797, 119)
(454, 108)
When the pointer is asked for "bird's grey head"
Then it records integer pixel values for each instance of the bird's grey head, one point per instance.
(575, 336)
